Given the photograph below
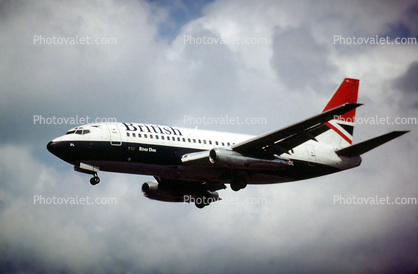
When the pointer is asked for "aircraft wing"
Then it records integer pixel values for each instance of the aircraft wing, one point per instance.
(280, 141)
(283, 140)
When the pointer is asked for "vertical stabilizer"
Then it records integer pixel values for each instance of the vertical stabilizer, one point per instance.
(342, 127)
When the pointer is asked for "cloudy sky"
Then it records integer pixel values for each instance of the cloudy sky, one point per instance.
(154, 73)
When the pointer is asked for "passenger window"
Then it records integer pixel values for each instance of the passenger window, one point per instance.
(204, 142)
(133, 135)
(150, 136)
(188, 139)
(199, 141)
(139, 135)
(217, 143)
(178, 139)
(228, 144)
(184, 139)
(156, 136)
(223, 144)
(145, 136)
(210, 142)
(127, 134)
(162, 137)
(194, 140)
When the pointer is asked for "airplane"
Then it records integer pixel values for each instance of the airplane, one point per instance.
(194, 163)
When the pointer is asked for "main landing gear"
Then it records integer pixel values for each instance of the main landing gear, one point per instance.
(238, 183)
(95, 180)
(203, 201)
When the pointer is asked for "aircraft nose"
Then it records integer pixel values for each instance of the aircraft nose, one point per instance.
(57, 148)
(50, 147)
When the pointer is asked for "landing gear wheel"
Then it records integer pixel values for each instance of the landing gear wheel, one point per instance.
(202, 201)
(94, 180)
(238, 183)
(235, 186)
(199, 204)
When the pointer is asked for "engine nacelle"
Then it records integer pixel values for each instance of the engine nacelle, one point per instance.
(232, 159)
(152, 191)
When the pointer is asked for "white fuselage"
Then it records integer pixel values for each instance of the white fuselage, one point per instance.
(156, 150)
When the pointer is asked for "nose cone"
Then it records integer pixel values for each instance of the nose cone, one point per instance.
(50, 147)
(59, 149)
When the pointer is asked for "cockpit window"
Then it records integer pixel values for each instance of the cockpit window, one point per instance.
(78, 131)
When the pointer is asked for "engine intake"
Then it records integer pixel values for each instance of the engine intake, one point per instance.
(151, 190)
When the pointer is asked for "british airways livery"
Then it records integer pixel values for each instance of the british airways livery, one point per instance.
(196, 163)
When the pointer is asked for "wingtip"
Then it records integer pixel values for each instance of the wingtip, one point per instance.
(354, 104)
(401, 132)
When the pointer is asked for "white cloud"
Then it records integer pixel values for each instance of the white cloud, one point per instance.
(145, 78)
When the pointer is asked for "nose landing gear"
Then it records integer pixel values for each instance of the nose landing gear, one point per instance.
(95, 180)
(89, 169)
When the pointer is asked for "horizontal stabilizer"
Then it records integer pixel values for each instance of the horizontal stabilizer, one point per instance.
(365, 146)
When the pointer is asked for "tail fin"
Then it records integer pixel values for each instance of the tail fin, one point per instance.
(342, 127)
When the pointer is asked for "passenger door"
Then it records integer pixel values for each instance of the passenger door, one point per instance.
(115, 138)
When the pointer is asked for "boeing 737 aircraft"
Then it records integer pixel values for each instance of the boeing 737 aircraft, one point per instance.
(196, 163)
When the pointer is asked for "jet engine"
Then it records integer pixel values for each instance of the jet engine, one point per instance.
(151, 190)
(154, 191)
(232, 159)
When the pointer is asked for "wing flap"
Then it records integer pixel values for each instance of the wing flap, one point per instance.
(295, 134)
(295, 140)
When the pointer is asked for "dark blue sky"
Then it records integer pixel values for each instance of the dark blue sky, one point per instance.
(180, 13)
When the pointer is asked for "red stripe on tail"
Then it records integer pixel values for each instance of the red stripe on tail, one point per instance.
(339, 133)
(346, 93)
